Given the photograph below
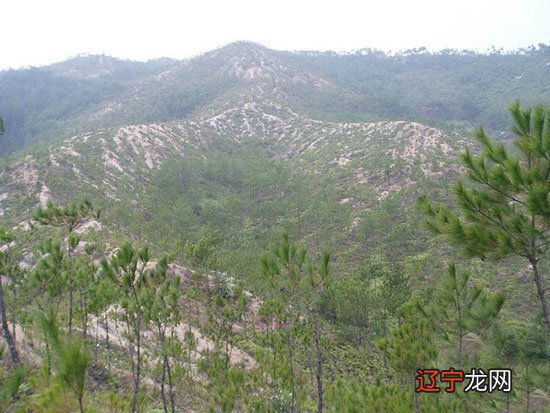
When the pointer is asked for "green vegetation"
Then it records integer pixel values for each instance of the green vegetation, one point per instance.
(508, 212)
(288, 351)
(38, 103)
(459, 87)
(451, 87)
(252, 259)
(297, 286)
(235, 204)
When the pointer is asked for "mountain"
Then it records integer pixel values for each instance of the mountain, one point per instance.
(237, 117)
(97, 91)
(452, 86)
(208, 161)
(101, 66)
(242, 141)
(38, 103)
(218, 77)
(330, 177)
(458, 88)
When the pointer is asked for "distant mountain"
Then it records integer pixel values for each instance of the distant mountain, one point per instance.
(207, 162)
(247, 140)
(98, 66)
(217, 78)
(449, 88)
(246, 165)
(38, 104)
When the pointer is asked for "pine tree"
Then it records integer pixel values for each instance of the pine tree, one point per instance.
(47, 284)
(411, 345)
(4, 259)
(72, 358)
(10, 386)
(200, 252)
(127, 270)
(460, 307)
(84, 282)
(278, 352)
(506, 210)
(68, 218)
(102, 295)
(525, 345)
(225, 309)
(10, 261)
(300, 284)
(163, 310)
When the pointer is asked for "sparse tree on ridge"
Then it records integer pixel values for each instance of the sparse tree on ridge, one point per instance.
(5, 328)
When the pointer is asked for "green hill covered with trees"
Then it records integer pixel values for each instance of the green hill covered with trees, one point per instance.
(219, 235)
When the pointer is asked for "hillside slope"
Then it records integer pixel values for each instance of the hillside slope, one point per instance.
(249, 160)
(211, 163)
(461, 88)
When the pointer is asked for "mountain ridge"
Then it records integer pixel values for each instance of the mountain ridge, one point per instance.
(363, 164)
(41, 104)
(209, 163)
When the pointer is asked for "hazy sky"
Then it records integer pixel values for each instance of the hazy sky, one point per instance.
(43, 31)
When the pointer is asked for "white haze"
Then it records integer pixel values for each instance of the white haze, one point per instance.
(41, 32)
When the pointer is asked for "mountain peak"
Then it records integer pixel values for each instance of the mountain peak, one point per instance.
(242, 47)
(87, 66)
(248, 60)
(251, 61)
(94, 66)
